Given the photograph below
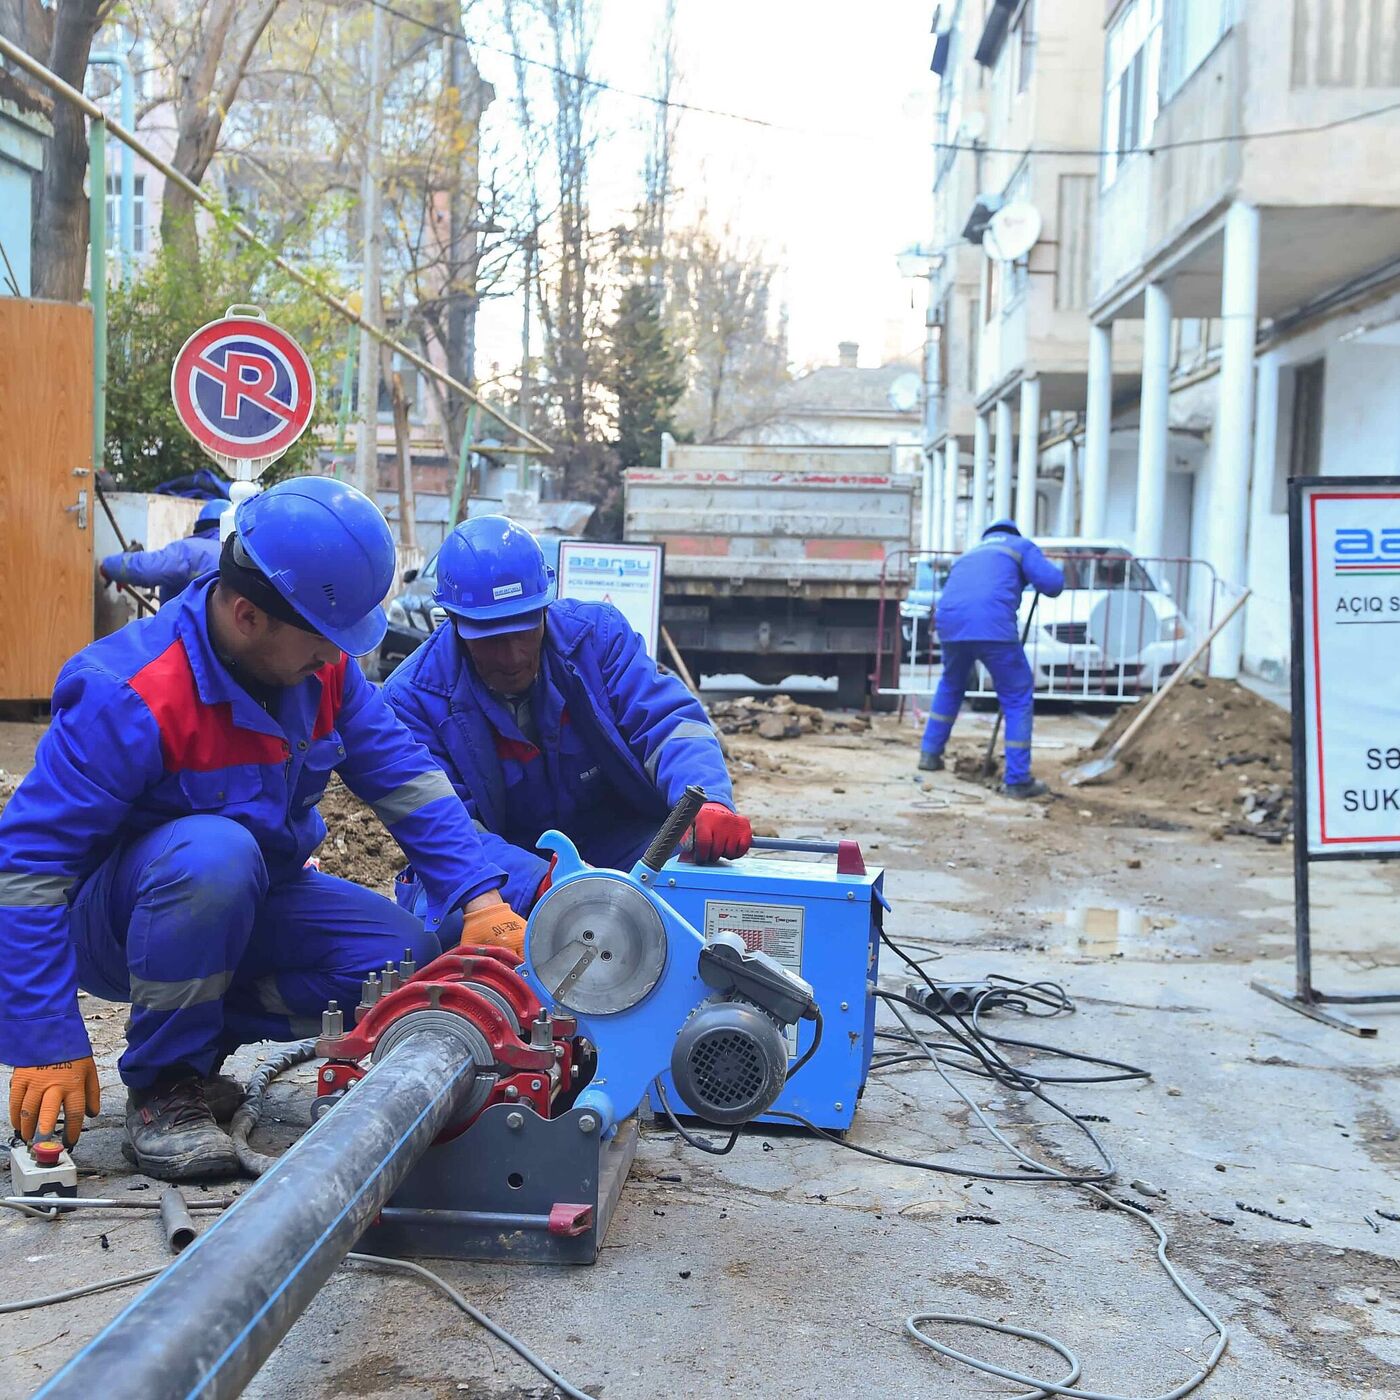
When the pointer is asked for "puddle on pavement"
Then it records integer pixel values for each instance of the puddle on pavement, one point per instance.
(1112, 930)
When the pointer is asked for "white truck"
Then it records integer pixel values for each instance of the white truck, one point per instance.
(775, 556)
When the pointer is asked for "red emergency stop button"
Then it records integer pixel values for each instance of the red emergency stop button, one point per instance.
(47, 1154)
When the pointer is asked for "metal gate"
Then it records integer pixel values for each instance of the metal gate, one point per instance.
(1121, 627)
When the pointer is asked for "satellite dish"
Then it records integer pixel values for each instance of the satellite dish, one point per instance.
(903, 393)
(973, 125)
(1012, 232)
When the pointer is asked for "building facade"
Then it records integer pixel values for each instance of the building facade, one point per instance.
(1238, 276)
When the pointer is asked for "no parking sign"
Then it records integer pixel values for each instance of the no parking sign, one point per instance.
(244, 390)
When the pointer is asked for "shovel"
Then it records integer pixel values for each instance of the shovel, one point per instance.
(1099, 767)
(988, 761)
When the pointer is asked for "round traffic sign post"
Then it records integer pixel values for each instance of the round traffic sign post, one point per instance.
(244, 390)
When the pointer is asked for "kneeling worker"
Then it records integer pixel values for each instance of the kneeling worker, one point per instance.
(977, 622)
(548, 712)
(157, 852)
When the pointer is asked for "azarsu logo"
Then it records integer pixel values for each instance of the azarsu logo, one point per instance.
(1358, 550)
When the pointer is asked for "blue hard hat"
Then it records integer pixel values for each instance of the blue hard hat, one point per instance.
(492, 577)
(210, 513)
(1001, 527)
(326, 548)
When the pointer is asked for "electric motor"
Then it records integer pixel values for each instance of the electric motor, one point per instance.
(729, 1062)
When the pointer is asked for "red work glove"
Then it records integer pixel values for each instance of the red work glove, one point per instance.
(720, 834)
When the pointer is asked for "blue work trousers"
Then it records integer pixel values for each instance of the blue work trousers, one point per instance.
(185, 923)
(1014, 684)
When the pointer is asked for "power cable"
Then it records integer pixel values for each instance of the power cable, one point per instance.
(1186, 143)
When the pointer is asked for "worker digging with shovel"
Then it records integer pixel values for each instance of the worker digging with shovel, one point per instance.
(977, 622)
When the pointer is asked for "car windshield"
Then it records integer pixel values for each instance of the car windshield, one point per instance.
(1098, 568)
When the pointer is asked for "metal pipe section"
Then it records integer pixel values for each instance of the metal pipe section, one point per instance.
(206, 1325)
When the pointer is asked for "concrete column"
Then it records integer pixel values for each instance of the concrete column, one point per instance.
(927, 502)
(950, 495)
(981, 450)
(1263, 636)
(1069, 491)
(1239, 313)
(1001, 482)
(1028, 463)
(933, 474)
(1098, 424)
(1152, 422)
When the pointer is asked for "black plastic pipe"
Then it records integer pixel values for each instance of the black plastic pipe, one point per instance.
(206, 1325)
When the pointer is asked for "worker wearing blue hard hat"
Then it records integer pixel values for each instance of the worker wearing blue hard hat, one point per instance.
(179, 563)
(158, 851)
(549, 713)
(976, 621)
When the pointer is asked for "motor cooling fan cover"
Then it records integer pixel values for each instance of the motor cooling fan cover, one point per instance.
(729, 1063)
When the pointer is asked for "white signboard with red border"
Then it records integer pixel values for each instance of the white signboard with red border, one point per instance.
(628, 576)
(1350, 659)
(244, 389)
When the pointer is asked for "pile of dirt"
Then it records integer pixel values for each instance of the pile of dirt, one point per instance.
(781, 717)
(1213, 748)
(356, 846)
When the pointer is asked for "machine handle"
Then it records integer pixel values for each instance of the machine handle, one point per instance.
(849, 860)
(680, 820)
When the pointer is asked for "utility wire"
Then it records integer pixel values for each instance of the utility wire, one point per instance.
(601, 85)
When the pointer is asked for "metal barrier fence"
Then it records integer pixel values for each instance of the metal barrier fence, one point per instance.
(1121, 627)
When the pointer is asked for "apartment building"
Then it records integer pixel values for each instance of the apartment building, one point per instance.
(1243, 304)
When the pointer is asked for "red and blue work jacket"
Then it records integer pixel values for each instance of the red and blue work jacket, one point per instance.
(616, 738)
(149, 726)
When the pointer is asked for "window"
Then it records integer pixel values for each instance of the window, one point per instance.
(138, 212)
(1023, 40)
(1132, 57)
(1192, 29)
(1305, 439)
(974, 340)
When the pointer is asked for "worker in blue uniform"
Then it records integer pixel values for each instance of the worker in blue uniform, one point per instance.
(548, 713)
(158, 851)
(976, 621)
(179, 563)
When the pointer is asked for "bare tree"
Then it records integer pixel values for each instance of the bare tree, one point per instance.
(60, 36)
(721, 313)
(209, 54)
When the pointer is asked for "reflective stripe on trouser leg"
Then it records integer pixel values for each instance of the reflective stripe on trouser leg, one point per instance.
(316, 938)
(958, 660)
(1015, 687)
(176, 907)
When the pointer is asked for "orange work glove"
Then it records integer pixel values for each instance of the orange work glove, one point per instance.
(37, 1092)
(496, 924)
(720, 834)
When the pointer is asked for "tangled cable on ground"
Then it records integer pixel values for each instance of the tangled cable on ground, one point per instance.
(978, 1053)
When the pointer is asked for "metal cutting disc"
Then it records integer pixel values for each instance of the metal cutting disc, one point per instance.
(598, 945)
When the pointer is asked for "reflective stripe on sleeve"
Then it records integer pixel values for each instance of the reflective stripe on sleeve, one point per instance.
(24, 889)
(686, 729)
(415, 794)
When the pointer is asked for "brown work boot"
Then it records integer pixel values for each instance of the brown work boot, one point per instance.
(171, 1134)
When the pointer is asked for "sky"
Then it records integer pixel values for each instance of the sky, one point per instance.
(833, 190)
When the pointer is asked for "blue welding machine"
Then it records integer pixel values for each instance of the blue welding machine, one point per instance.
(819, 919)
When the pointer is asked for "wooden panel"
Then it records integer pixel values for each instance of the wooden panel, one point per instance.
(46, 566)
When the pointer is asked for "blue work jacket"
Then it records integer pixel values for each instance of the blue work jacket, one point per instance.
(168, 569)
(983, 592)
(618, 739)
(149, 726)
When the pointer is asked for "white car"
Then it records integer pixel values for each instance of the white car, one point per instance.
(1116, 630)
